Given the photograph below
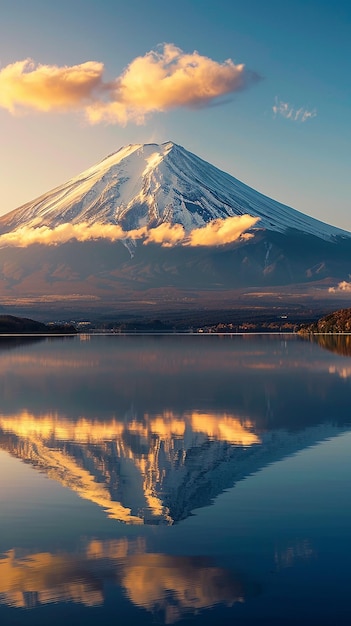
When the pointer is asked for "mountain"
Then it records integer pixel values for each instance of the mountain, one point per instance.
(151, 218)
(153, 184)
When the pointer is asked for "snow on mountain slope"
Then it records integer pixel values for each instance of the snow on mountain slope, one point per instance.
(146, 185)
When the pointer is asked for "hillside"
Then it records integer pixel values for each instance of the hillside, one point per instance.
(9, 324)
(337, 322)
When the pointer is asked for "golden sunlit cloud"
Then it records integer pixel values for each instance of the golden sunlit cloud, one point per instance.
(25, 236)
(48, 87)
(217, 232)
(222, 231)
(166, 234)
(344, 286)
(160, 80)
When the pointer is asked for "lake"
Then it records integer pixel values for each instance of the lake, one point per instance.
(196, 479)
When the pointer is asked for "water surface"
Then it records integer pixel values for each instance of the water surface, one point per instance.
(162, 479)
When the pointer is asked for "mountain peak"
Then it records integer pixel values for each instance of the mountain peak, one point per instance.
(141, 149)
(146, 185)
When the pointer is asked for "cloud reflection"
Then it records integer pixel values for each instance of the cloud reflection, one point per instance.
(169, 586)
(175, 586)
(294, 551)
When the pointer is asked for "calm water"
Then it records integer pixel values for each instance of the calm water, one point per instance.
(175, 479)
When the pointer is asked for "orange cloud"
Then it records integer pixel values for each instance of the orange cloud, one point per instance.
(48, 87)
(217, 232)
(166, 234)
(222, 231)
(23, 237)
(167, 79)
(160, 80)
(344, 286)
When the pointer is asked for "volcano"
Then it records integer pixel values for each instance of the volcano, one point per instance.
(151, 219)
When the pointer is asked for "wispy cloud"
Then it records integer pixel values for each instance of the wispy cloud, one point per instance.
(344, 286)
(217, 232)
(162, 79)
(284, 109)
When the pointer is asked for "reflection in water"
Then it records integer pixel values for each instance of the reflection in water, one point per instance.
(150, 471)
(150, 429)
(53, 428)
(298, 550)
(175, 586)
(340, 344)
(340, 370)
(27, 580)
(124, 378)
(90, 457)
(171, 586)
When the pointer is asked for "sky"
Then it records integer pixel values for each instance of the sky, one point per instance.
(260, 89)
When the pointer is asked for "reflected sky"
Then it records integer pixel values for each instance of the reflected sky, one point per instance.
(169, 474)
(107, 377)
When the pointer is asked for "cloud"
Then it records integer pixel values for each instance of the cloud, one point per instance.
(166, 234)
(167, 79)
(48, 87)
(222, 231)
(160, 80)
(214, 233)
(23, 237)
(291, 113)
(344, 286)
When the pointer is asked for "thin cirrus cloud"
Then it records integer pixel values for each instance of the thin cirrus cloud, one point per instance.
(217, 232)
(162, 79)
(289, 112)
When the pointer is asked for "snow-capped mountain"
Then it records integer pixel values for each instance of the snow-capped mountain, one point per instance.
(146, 185)
(151, 218)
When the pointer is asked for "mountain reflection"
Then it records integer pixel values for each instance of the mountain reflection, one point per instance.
(152, 470)
(151, 428)
(90, 457)
(169, 586)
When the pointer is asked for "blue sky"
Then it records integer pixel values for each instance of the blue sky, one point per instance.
(286, 132)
